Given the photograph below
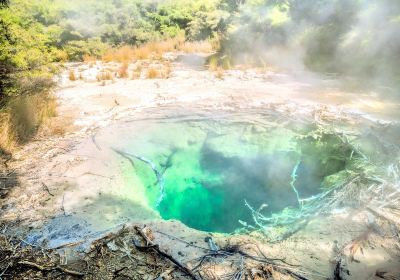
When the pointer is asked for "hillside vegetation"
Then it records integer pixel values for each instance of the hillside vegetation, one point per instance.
(34, 34)
(36, 37)
(358, 39)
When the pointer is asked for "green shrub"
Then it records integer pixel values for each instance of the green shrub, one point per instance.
(77, 50)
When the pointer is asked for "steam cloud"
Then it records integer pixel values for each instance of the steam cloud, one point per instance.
(358, 39)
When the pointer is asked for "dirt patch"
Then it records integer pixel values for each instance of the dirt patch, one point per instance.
(169, 250)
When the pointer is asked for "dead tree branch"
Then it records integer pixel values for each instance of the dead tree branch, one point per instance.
(43, 268)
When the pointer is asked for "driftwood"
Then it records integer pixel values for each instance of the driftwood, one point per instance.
(152, 246)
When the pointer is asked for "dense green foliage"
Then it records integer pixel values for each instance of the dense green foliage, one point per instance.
(36, 33)
(26, 52)
(360, 38)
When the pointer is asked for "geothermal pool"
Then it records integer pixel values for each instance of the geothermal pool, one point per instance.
(206, 173)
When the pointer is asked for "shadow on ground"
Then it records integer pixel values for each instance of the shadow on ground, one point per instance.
(89, 222)
(8, 178)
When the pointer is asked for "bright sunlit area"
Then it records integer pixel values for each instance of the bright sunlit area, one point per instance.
(200, 139)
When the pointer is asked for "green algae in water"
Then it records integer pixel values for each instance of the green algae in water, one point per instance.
(210, 169)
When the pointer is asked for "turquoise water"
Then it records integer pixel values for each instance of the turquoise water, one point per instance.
(205, 171)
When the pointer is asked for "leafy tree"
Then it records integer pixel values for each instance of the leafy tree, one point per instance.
(24, 52)
(4, 3)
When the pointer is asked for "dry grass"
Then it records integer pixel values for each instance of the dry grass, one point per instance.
(215, 62)
(166, 71)
(56, 128)
(162, 71)
(196, 47)
(141, 53)
(72, 75)
(89, 59)
(23, 116)
(155, 50)
(105, 76)
(136, 75)
(8, 139)
(153, 73)
(123, 71)
(219, 73)
(215, 67)
(123, 54)
(215, 43)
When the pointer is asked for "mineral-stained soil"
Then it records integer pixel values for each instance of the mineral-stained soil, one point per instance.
(67, 210)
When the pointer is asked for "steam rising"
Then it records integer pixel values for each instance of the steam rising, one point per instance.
(353, 38)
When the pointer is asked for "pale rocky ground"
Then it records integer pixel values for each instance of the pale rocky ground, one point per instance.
(75, 178)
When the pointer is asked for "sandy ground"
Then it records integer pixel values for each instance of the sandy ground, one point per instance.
(68, 187)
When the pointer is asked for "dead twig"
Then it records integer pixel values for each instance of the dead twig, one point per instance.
(95, 174)
(118, 273)
(264, 258)
(43, 268)
(271, 262)
(210, 256)
(71, 244)
(62, 205)
(46, 188)
(4, 271)
(239, 274)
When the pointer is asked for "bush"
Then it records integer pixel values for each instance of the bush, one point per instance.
(78, 50)
(71, 75)
(105, 76)
(22, 117)
(153, 73)
(123, 71)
